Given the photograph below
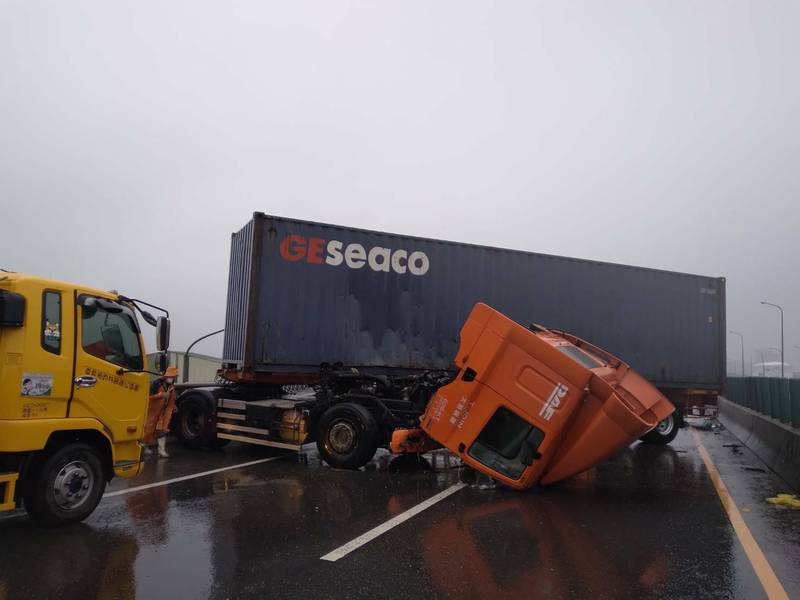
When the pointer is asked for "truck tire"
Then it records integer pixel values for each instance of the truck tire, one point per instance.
(347, 436)
(65, 485)
(664, 432)
(194, 422)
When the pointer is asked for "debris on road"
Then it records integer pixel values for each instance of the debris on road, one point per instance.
(789, 500)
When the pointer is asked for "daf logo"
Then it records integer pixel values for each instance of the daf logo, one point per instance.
(553, 401)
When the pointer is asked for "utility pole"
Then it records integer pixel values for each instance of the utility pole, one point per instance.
(780, 309)
(741, 339)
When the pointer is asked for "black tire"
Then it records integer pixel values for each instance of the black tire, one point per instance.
(65, 485)
(192, 422)
(347, 436)
(194, 426)
(664, 432)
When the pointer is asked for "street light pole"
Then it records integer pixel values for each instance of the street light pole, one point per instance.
(186, 354)
(780, 309)
(741, 338)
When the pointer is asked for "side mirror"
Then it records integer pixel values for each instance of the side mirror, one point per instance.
(162, 334)
(12, 309)
(148, 318)
(161, 362)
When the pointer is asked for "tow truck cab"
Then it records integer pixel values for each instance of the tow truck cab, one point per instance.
(531, 405)
(73, 394)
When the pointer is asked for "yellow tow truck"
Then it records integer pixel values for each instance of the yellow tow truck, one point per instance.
(73, 393)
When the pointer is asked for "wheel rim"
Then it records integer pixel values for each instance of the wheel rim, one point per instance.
(342, 437)
(73, 485)
(192, 423)
(666, 426)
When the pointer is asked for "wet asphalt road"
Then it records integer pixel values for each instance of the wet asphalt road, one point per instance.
(647, 523)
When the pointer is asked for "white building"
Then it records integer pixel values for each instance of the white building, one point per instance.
(771, 369)
(202, 368)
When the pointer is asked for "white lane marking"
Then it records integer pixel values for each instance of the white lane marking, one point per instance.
(367, 537)
(139, 488)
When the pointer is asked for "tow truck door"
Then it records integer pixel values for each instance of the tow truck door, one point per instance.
(108, 340)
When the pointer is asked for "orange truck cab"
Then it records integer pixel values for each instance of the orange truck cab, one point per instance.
(531, 405)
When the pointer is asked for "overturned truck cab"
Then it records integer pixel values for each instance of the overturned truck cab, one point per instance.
(530, 405)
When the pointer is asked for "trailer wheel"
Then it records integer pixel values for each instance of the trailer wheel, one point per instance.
(347, 436)
(664, 432)
(65, 486)
(193, 422)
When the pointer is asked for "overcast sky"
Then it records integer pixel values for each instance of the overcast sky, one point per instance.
(136, 136)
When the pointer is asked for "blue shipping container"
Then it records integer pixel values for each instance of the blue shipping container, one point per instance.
(301, 294)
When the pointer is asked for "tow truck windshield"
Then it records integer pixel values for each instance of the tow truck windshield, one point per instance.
(109, 331)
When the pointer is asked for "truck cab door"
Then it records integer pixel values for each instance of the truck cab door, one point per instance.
(107, 340)
(508, 444)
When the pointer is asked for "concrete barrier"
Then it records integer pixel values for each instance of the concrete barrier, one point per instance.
(778, 445)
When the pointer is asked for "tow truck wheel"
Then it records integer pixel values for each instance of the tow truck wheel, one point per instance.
(65, 486)
(347, 436)
(664, 432)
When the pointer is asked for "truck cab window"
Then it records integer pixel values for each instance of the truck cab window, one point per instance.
(500, 445)
(51, 322)
(581, 357)
(111, 336)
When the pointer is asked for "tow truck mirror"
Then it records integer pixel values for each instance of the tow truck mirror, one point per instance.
(12, 309)
(161, 362)
(162, 334)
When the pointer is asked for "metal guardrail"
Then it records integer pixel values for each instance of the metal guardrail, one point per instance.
(770, 396)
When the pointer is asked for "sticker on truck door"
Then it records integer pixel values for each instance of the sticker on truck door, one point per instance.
(553, 401)
(36, 384)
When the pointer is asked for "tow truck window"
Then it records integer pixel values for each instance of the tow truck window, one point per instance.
(581, 357)
(51, 322)
(111, 336)
(500, 445)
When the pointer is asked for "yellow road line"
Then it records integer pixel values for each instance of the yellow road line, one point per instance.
(770, 582)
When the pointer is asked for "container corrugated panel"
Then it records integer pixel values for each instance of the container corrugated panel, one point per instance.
(239, 282)
(323, 294)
